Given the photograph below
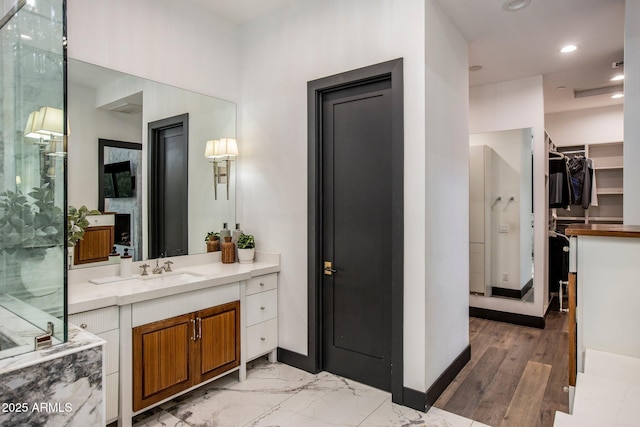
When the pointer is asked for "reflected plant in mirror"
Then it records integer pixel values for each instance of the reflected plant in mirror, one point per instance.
(112, 106)
(500, 214)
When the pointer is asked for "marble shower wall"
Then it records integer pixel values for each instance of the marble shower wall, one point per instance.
(65, 392)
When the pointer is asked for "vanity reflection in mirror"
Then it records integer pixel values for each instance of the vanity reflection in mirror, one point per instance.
(109, 158)
(501, 214)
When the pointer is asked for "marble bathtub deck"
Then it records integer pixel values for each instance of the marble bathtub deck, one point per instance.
(280, 395)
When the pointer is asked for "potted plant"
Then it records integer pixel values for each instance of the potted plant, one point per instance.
(31, 229)
(213, 241)
(246, 248)
(77, 222)
(28, 227)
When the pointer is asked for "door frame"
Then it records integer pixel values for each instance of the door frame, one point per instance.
(392, 70)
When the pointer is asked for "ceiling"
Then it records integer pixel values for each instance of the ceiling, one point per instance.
(513, 45)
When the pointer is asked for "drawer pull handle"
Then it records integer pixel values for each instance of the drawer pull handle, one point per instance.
(263, 339)
(261, 284)
(193, 323)
(262, 308)
(83, 326)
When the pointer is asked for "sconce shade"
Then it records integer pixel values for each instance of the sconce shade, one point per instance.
(218, 148)
(50, 121)
(30, 129)
(227, 147)
(210, 149)
(45, 123)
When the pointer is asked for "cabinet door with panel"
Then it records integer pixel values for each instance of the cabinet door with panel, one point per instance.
(219, 335)
(161, 359)
(174, 354)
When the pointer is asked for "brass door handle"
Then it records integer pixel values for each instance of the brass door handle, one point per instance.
(328, 270)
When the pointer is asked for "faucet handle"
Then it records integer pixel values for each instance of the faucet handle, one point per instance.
(167, 265)
(144, 269)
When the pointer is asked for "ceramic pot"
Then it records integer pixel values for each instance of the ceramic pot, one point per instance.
(228, 251)
(245, 256)
(39, 275)
(213, 245)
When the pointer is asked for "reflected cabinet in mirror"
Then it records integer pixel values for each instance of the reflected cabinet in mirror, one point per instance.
(115, 167)
(501, 214)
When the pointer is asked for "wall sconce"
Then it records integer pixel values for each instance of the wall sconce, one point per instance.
(218, 151)
(47, 124)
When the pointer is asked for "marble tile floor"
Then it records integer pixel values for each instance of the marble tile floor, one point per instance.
(280, 395)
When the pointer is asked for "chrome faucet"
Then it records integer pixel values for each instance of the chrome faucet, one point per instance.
(157, 269)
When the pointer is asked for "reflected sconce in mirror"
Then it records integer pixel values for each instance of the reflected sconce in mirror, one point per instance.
(219, 151)
(47, 126)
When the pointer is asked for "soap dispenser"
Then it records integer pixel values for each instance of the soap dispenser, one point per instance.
(114, 256)
(225, 232)
(235, 236)
(126, 263)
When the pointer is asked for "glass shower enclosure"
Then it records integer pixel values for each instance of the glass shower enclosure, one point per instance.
(32, 175)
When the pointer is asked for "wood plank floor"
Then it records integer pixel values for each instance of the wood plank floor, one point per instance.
(516, 375)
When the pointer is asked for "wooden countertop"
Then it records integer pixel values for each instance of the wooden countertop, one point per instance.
(607, 230)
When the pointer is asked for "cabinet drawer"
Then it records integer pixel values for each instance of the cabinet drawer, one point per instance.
(111, 392)
(262, 338)
(96, 321)
(163, 308)
(101, 220)
(262, 283)
(262, 306)
(111, 350)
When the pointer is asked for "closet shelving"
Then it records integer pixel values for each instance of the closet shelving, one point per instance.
(608, 169)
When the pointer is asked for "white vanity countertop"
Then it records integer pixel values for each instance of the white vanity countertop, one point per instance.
(84, 296)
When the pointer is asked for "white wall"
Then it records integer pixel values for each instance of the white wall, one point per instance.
(518, 104)
(87, 125)
(587, 126)
(308, 40)
(632, 112)
(447, 197)
(174, 42)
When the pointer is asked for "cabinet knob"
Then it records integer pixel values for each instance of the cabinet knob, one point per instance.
(261, 284)
(83, 326)
(263, 339)
(262, 308)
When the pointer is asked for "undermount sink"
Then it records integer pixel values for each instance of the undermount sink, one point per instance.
(172, 277)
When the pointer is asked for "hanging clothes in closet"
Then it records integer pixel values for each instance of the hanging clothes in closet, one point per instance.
(581, 171)
(560, 188)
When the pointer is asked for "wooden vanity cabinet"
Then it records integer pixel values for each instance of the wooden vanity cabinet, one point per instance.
(174, 354)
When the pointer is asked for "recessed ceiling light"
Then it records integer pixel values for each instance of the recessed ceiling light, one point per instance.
(515, 5)
(475, 68)
(568, 48)
(617, 77)
(617, 96)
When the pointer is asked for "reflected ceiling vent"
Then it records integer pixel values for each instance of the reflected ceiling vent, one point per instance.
(598, 91)
(126, 107)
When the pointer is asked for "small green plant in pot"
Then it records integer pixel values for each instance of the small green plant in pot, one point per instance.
(77, 222)
(212, 240)
(30, 225)
(246, 248)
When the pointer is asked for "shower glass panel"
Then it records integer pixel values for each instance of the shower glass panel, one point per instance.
(32, 175)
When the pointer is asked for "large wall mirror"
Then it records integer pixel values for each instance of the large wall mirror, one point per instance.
(501, 214)
(109, 114)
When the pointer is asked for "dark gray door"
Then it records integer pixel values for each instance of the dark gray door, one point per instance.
(168, 196)
(356, 232)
